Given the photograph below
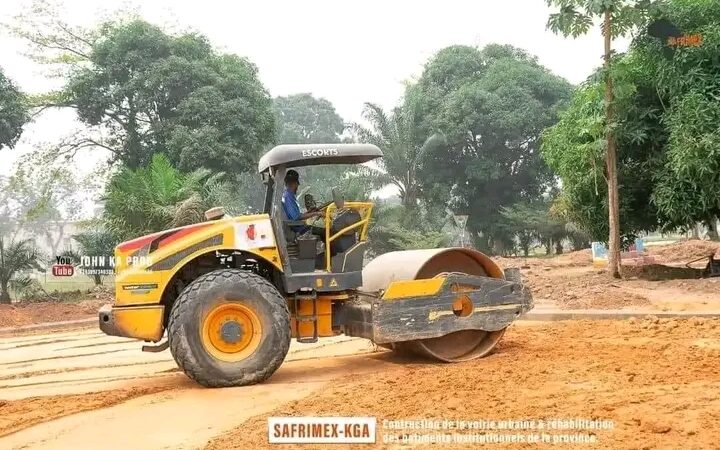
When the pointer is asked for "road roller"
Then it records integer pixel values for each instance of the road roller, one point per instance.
(228, 295)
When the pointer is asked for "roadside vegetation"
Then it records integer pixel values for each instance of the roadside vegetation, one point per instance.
(487, 148)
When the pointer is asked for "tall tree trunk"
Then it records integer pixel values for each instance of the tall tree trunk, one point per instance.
(4, 288)
(4, 294)
(711, 225)
(695, 231)
(611, 162)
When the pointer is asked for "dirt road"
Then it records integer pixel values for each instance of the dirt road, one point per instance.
(658, 382)
(87, 390)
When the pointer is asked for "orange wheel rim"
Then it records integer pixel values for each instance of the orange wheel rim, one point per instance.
(231, 331)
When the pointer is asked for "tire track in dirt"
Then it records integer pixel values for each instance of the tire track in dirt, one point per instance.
(99, 344)
(154, 418)
(50, 358)
(19, 414)
(37, 373)
(49, 341)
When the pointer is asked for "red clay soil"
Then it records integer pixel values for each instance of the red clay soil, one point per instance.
(16, 415)
(684, 251)
(569, 281)
(655, 381)
(20, 314)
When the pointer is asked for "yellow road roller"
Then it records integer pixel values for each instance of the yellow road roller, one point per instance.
(231, 293)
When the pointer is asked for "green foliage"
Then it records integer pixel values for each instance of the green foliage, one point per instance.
(400, 138)
(491, 106)
(17, 258)
(13, 112)
(527, 223)
(575, 17)
(666, 129)
(574, 149)
(154, 198)
(304, 119)
(150, 92)
(39, 198)
(688, 83)
(397, 227)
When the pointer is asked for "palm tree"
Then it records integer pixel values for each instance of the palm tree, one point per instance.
(16, 259)
(396, 135)
(158, 197)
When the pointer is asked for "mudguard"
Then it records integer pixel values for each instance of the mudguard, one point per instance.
(423, 309)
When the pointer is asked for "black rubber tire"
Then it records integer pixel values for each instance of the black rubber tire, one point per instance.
(223, 286)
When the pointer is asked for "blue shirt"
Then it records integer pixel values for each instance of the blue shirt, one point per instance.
(292, 210)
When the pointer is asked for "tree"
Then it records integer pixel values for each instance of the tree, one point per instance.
(536, 221)
(13, 112)
(687, 80)
(304, 119)
(403, 151)
(144, 91)
(38, 200)
(619, 17)
(518, 220)
(158, 197)
(17, 258)
(665, 129)
(574, 149)
(491, 106)
(96, 242)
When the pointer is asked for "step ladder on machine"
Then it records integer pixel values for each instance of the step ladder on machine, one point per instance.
(300, 299)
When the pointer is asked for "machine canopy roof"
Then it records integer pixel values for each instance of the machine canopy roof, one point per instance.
(298, 155)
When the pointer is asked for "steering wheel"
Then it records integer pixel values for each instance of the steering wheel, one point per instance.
(311, 205)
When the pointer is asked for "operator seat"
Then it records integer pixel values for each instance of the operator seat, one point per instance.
(301, 247)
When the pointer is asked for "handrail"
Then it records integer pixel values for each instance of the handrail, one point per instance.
(364, 208)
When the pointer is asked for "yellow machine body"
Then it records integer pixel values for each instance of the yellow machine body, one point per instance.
(146, 266)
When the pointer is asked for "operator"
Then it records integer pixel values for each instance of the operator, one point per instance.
(292, 211)
(291, 205)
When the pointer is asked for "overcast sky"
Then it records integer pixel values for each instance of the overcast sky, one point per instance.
(348, 52)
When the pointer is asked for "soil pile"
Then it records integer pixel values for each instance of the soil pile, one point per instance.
(684, 251)
(20, 314)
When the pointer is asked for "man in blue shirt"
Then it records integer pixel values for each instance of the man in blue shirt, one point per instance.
(291, 205)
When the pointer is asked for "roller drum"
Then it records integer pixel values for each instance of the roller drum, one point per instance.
(423, 264)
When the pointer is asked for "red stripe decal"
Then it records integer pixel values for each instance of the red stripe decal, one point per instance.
(180, 233)
(137, 243)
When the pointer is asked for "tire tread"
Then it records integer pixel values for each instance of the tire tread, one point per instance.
(180, 348)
